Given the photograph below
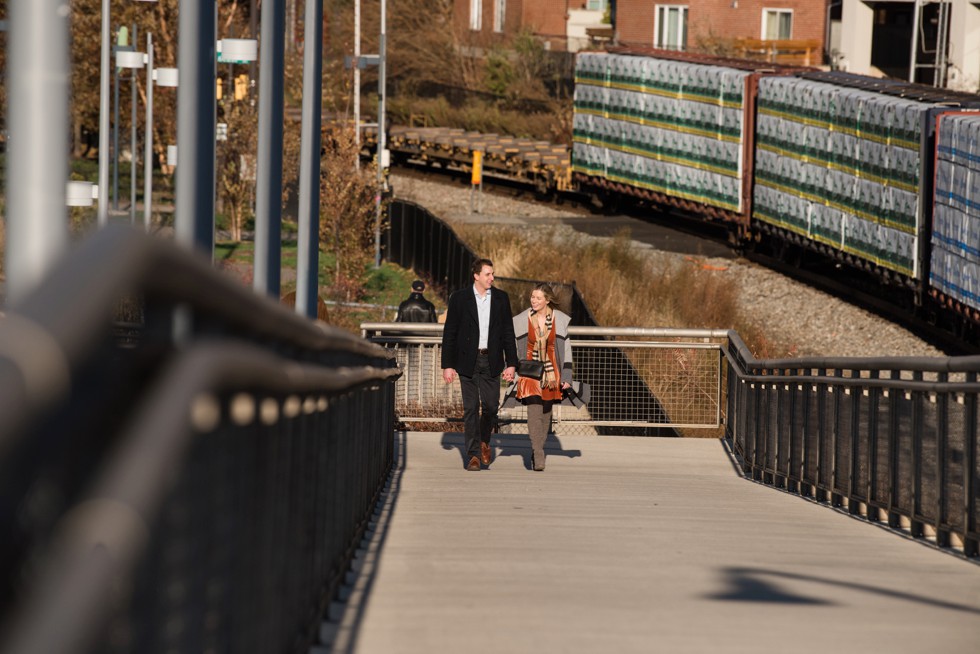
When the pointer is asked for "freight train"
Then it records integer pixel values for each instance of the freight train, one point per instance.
(876, 177)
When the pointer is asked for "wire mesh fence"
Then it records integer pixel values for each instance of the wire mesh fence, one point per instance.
(642, 382)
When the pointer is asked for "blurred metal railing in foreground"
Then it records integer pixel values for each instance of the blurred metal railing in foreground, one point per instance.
(160, 497)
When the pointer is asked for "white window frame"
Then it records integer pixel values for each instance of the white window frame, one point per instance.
(661, 10)
(776, 11)
(597, 5)
(476, 15)
(499, 14)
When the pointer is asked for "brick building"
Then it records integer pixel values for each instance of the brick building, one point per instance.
(699, 24)
(560, 24)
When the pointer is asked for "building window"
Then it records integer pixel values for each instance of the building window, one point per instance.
(499, 11)
(597, 5)
(670, 30)
(476, 15)
(777, 24)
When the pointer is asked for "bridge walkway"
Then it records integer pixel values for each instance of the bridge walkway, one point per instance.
(634, 545)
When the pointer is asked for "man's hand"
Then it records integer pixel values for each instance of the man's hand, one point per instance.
(509, 373)
(448, 375)
(566, 386)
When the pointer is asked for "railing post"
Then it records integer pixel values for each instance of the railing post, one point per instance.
(835, 496)
(853, 505)
(823, 465)
(873, 409)
(894, 515)
(971, 546)
(808, 484)
(916, 526)
(942, 456)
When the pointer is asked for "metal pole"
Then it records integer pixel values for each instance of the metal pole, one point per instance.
(913, 58)
(115, 137)
(37, 167)
(103, 203)
(357, 84)
(196, 61)
(148, 139)
(132, 140)
(381, 140)
(309, 173)
(268, 165)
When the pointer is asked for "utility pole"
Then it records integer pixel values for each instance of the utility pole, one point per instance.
(308, 239)
(381, 141)
(357, 84)
(268, 164)
(103, 210)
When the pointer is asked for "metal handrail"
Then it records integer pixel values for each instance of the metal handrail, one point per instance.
(57, 326)
(111, 430)
(99, 540)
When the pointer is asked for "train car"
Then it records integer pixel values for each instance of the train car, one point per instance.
(669, 128)
(844, 163)
(954, 273)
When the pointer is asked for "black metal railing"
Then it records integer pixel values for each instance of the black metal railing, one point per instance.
(892, 439)
(198, 484)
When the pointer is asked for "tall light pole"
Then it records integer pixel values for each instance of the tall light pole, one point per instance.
(196, 62)
(268, 190)
(381, 140)
(148, 138)
(357, 83)
(37, 167)
(103, 206)
(308, 245)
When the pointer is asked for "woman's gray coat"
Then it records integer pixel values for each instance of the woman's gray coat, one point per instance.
(563, 353)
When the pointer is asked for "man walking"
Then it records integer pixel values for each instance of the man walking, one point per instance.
(416, 308)
(478, 344)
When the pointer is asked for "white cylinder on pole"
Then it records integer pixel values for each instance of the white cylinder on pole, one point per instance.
(80, 194)
(165, 77)
(171, 155)
(129, 59)
(238, 50)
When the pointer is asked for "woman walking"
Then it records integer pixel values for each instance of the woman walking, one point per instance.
(542, 335)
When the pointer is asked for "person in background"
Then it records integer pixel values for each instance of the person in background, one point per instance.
(478, 345)
(416, 308)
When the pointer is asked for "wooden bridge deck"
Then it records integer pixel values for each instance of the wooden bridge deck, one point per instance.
(635, 545)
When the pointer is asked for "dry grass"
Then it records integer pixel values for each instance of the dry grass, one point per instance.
(621, 285)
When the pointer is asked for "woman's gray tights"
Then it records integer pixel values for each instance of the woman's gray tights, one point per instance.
(538, 426)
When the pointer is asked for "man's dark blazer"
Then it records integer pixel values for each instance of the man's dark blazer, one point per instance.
(461, 334)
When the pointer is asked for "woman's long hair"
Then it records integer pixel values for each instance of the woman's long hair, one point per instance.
(549, 294)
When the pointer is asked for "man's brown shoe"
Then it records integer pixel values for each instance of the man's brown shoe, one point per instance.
(486, 454)
(473, 465)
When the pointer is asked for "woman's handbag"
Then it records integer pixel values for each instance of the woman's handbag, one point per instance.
(530, 368)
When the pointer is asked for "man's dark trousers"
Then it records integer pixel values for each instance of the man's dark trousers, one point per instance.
(480, 389)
